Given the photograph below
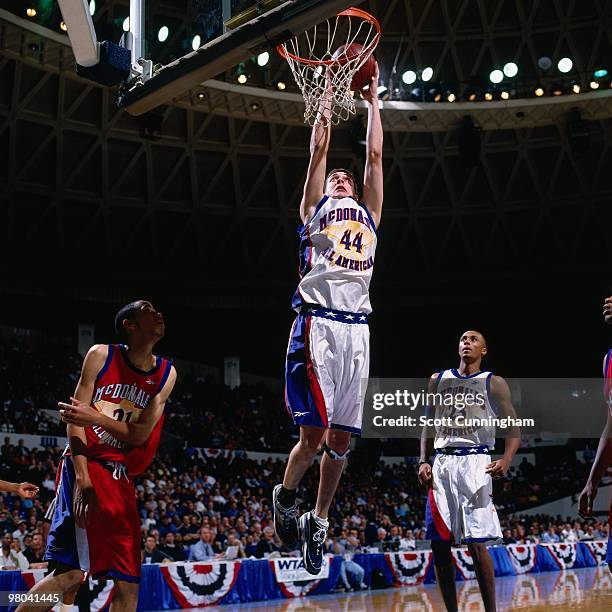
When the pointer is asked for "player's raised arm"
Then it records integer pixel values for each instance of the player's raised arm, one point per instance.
(500, 392)
(135, 434)
(319, 145)
(85, 500)
(427, 437)
(373, 176)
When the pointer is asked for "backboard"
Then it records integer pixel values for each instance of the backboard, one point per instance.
(233, 31)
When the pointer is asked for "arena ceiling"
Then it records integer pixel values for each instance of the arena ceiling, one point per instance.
(199, 200)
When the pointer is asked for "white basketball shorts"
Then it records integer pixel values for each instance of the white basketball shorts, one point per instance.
(460, 505)
(328, 361)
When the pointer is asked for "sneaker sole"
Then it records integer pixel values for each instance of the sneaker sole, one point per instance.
(303, 524)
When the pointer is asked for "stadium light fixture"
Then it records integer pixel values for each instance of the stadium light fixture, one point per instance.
(63, 26)
(505, 94)
(488, 96)
(510, 70)
(196, 42)
(126, 24)
(496, 76)
(565, 64)
(409, 77)
(594, 85)
(545, 63)
(451, 97)
(162, 34)
(427, 74)
(576, 88)
(92, 7)
(31, 12)
(263, 59)
(281, 85)
(539, 92)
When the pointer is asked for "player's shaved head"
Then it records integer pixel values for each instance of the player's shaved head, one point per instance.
(472, 346)
(474, 332)
(128, 312)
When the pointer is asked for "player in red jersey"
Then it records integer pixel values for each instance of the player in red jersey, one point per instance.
(114, 426)
(603, 457)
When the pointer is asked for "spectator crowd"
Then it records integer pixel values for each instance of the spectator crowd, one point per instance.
(196, 506)
(199, 508)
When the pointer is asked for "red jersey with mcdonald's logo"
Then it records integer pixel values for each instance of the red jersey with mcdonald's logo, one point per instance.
(122, 392)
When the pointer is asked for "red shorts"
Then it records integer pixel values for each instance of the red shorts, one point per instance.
(113, 532)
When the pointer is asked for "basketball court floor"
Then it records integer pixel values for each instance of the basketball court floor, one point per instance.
(583, 589)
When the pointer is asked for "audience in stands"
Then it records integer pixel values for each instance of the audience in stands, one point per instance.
(216, 503)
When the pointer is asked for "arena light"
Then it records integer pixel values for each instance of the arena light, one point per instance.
(196, 42)
(31, 12)
(488, 96)
(409, 77)
(545, 63)
(510, 70)
(427, 74)
(594, 85)
(263, 59)
(505, 95)
(163, 33)
(242, 78)
(565, 64)
(601, 73)
(472, 96)
(576, 88)
(539, 92)
(281, 85)
(63, 26)
(496, 76)
(92, 7)
(126, 24)
(451, 97)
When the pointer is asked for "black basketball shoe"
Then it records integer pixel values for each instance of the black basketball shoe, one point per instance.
(285, 521)
(313, 538)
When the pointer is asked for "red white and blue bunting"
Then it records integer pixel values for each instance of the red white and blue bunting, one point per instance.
(598, 551)
(409, 568)
(523, 557)
(200, 584)
(100, 591)
(563, 554)
(464, 563)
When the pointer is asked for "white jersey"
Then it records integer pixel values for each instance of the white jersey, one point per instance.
(337, 248)
(464, 411)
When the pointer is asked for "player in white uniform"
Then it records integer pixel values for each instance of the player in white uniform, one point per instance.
(328, 353)
(460, 500)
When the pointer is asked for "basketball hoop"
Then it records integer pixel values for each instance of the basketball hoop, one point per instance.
(323, 63)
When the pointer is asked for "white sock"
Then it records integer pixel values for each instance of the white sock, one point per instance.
(321, 522)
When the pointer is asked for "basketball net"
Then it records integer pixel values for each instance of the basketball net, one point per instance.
(323, 75)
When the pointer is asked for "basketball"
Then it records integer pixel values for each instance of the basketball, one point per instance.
(362, 77)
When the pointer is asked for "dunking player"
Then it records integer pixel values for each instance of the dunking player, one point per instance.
(603, 457)
(114, 427)
(328, 352)
(460, 506)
